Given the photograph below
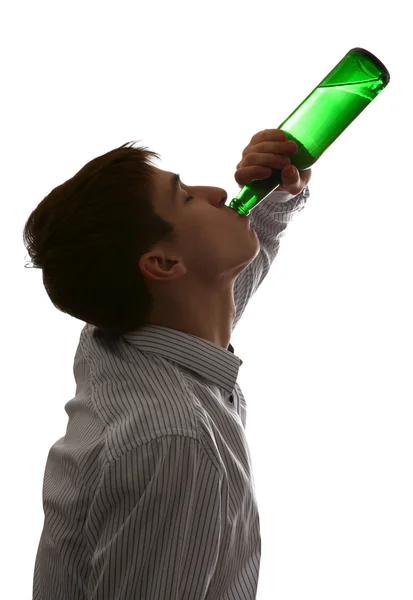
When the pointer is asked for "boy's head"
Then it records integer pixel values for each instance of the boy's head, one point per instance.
(123, 244)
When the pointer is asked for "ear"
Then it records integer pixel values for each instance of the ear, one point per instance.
(159, 268)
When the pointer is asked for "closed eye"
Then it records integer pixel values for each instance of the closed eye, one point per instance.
(189, 198)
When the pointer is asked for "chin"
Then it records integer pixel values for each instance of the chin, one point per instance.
(257, 241)
(254, 248)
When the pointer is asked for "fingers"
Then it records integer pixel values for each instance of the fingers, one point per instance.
(293, 181)
(269, 154)
(245, 175)
(274, 161)
(271, 149)
(287, 147)
(268, 135)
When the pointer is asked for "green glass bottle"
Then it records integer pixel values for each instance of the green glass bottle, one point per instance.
(330, 108)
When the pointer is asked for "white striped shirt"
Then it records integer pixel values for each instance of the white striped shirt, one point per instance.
(150, 494)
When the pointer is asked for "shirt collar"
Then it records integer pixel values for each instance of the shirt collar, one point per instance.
(214, 363)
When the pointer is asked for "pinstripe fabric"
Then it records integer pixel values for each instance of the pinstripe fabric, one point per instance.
(150, 494)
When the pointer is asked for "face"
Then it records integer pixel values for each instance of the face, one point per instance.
(214, 244)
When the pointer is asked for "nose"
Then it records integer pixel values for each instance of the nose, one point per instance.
(222, 195)
(216, 196)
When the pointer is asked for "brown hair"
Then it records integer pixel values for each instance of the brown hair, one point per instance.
(88, 234)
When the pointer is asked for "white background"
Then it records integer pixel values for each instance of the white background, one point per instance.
(327, 340)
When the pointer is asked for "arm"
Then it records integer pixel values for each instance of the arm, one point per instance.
(267, 150)
(269, 220)
(156, 523)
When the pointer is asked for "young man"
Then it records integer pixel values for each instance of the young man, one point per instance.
(150, 493)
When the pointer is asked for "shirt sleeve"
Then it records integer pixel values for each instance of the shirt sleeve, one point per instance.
(269, 220)
(155, 523)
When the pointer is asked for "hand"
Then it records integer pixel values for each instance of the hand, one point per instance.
(267, 150)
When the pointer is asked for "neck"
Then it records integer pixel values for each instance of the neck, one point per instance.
(205, 317)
